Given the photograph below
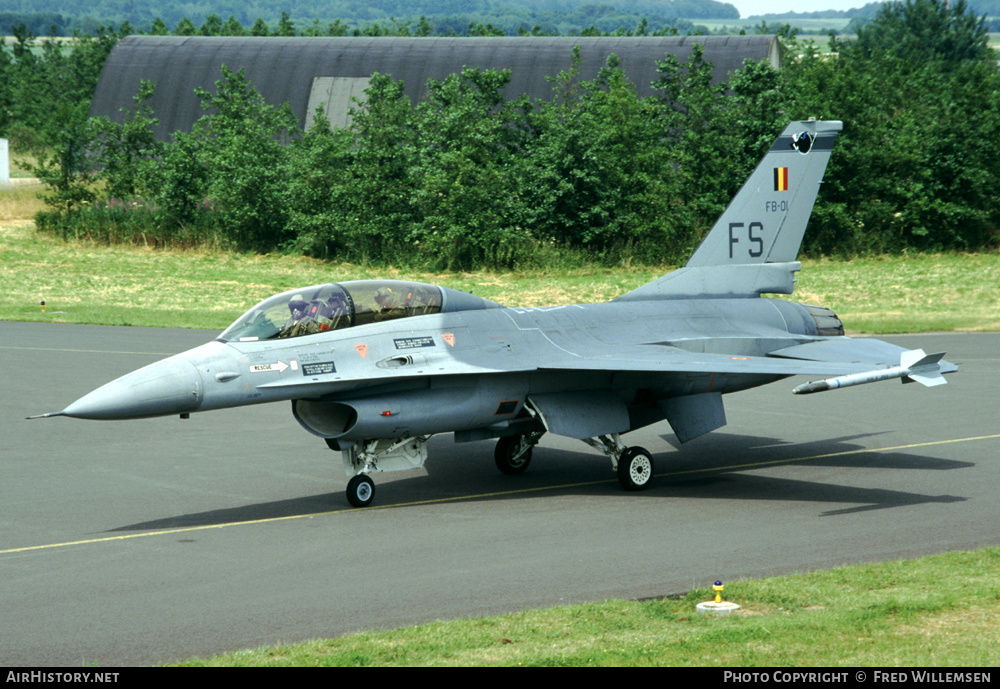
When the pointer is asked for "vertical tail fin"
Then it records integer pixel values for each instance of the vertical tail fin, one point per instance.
(752, 247)
(765, 221)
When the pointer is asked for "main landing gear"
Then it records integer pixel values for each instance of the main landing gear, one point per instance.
(635, 469)
(513, 452)
(634, 465)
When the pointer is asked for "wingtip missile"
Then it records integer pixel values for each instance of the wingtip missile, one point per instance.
(914, 366)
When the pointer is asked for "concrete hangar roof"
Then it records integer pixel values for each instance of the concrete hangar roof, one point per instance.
(307, 71)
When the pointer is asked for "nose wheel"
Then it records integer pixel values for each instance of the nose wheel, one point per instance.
(360, 491)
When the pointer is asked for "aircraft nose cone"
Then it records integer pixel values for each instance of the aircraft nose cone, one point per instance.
(171, 386)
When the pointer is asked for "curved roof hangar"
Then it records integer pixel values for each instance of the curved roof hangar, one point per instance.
(311, 71)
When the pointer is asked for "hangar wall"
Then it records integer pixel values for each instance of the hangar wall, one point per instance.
(306, 71)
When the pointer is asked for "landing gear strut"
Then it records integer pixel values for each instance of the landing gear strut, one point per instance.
(381, 454)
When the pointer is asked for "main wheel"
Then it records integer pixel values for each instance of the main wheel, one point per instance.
(635, 469)
(509, 456)
(360, 491)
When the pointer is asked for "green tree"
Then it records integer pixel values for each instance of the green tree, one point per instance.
(314, 29)
(232, 164)
(66, 170)
(697, 129)
(7, 68)
(246, 139)
(320, 178)
(232, 27)
(259, 28)
(755, 113)
(471, 211)
(212, 26)
(286, 27)
(22, 93)
(597, 174)
(159, 28)
(479, 29)
(126, 152)
(42, 84)
(919, 147)
(371, 213)
(185, 27)
(920, 30)
(424, 27)
(337, 28)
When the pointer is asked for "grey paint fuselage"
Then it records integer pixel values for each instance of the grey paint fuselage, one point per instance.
(492, 355)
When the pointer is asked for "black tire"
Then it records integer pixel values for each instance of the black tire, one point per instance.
(360, 491)
(635, 469)
(504, 453)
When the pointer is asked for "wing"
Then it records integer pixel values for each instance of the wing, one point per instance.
(692, 414)
(826, 357)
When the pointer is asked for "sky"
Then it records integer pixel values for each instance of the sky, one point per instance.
(749, 8)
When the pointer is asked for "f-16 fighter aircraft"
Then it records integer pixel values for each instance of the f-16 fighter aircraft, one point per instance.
(376, 367)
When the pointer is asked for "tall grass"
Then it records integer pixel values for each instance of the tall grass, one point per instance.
(20, 201)
(137, 222)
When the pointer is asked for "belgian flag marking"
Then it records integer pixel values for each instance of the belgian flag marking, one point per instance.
(781, 179)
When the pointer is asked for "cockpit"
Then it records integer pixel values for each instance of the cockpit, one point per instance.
(333, 306)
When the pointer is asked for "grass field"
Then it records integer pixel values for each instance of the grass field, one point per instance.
(83, 282)
(942, 610)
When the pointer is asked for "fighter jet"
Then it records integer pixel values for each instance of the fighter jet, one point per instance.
(377, 367)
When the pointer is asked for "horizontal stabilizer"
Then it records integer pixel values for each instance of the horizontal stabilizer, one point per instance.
(862, 350)
(745, 280)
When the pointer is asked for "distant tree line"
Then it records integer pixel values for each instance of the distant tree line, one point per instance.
(37, 23)
(443, 16)
(467, 178)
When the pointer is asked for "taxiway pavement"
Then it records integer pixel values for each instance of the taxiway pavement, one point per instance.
(128, 543)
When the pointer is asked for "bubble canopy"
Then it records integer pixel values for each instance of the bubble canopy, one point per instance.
(334, 306)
